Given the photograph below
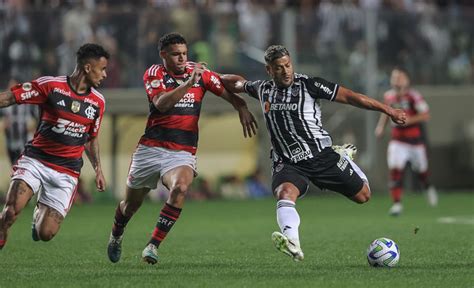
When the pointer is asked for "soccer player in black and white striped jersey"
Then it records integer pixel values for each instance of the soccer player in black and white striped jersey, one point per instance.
(18, 123)
(302, 149)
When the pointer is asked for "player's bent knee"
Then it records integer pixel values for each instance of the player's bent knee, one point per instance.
(46, 235)
(363, 195)
(179, 188)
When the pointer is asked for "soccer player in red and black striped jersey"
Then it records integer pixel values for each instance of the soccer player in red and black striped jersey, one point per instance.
(71, 114)
(167, 149)
(408, 143)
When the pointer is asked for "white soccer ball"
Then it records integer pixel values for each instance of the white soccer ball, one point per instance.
(383, 252)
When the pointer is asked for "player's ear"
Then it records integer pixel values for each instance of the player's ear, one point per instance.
(162, 54)
(87, 68)
(269, 69)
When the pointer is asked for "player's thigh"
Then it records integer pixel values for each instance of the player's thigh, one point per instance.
(398, 154)
(18, 195)
(288, 182)
(137, 195)
(342, 176)
(419, 159)
(181, 175)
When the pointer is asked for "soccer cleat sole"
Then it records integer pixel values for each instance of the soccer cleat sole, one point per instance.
(281, 244)
(150, 260)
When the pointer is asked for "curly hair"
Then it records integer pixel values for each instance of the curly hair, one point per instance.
(90, 51)
(274, 52)
(170, 39)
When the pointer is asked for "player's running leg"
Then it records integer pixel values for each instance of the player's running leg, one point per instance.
(123, 213)
(396, 191)
(177, 180)
(48, 222)
(17, 197)
(288, 241)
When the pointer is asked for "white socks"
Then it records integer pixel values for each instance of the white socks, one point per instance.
(288, 220)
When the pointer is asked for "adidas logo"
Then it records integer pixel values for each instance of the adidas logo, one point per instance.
(61, 103)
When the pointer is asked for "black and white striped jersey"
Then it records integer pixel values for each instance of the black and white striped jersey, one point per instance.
(293, 115)
(16, 118)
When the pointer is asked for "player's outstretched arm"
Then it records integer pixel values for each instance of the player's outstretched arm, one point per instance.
(6, 99)
(233, 83)
(165, 101)
(348, 96)
(247, 120)
(92, 152)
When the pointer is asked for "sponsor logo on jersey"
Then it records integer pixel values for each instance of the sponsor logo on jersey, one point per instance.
(283, 106)
(90, 101)
(298, 154)
(61, 103)
(90, 112)
(69, 128)
(26, 86)
(61, 91)
(170, 81)
(29, 94)
(216, 81)
(75, 106)
(187, 101)
(325, 89)
(342, 164)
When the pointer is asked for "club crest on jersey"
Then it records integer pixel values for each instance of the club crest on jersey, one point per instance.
(26, 86)
(75, 106)
(155, 83)
(90, 112)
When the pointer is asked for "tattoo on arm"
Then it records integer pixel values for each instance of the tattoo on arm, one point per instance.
(6, 99)
(92, 152)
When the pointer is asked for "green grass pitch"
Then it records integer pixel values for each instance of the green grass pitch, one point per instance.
(227, 244)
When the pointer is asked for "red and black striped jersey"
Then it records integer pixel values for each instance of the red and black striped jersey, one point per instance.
(413, 103)
(176, 129)
(68, 120)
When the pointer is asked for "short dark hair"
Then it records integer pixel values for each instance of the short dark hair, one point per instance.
(90, 51)
(402, 69)
(170, 39)
(274, 52)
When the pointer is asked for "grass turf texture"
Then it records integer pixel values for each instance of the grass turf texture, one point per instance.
(227, 244)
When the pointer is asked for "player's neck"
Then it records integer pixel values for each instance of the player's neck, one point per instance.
(78, 83)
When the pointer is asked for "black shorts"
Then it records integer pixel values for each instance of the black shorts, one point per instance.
(328, 170)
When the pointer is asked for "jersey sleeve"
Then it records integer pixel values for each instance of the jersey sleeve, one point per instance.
(34, 92)
(251, 87)
(153, 83)
(419, 103)
(98, 122)
(212, 82)
(320, 88)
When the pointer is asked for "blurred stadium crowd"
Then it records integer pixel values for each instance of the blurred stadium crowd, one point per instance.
(433, 39)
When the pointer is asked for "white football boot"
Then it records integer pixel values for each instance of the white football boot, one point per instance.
(396, 209)
(150, 254)
(349, 150)
(285, 245)
(432, 196)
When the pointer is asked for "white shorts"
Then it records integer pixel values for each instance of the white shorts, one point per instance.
(53, 189)
(400, 153)
(151, 163)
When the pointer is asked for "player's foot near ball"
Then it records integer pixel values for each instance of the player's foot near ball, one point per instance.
(150, 254)
(114, 248)
(286, 246)
(396, 209)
